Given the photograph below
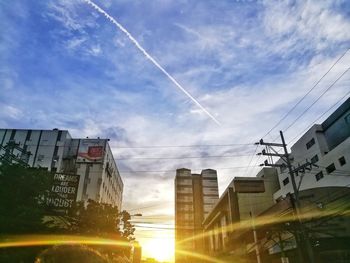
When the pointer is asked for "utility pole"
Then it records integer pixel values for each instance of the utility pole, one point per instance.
(287, 162)
(255, 235)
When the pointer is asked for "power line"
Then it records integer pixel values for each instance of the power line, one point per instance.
(182, 146)
(250, 161)
(183, 157)
(324, 113)
(141, 147)
(150, 206)
(285, 116)
(319, 97)
(160, 171)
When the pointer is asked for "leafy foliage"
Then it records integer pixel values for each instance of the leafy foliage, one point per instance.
(21, 198)
(22, 211)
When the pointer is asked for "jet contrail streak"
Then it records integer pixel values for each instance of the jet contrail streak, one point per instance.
(134, 41)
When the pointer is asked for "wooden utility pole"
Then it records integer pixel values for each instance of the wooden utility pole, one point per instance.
(301, 235)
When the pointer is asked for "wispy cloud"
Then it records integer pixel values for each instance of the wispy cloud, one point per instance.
(137, 44)
(248, 61)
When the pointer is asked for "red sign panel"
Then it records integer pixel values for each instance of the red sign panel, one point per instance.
(95, 151)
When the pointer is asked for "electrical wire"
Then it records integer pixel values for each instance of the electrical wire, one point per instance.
(182, 146)
(161, 171)
(184, 157)
(309, 91)
(319, 97)
(251, 159)
(324, 113)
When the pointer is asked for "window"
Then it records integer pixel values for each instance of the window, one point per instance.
(59, 135)
(286, 181)
(283, 167)
(29, 134)
(13, 133)
(314, 159)
(342, 161)
(319, 176)
(330, 168)
(310, 143)
(347, 119)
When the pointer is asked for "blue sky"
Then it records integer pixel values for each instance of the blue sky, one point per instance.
(65, 65)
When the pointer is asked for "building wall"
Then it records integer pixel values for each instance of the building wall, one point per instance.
(324, 148)
(195, 195)
(46, 146)
(337, 126)
(244, 199)
(210, 190)
(57, 151)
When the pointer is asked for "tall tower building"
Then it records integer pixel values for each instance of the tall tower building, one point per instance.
(195, 196)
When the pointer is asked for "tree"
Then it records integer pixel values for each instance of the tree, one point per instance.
(94, 219)
(21, 199)
(101, 220)
(23, 208)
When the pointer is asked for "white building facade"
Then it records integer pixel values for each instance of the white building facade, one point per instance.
(328, 146)
(57, 151)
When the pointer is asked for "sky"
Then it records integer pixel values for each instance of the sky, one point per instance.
(218, 75)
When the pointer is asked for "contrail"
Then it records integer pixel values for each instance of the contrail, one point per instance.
(137, 44)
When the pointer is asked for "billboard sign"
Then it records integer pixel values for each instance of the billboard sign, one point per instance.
(91, 150)
(249, 186)
(63, 192)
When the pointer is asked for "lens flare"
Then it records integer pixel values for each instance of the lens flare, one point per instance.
(51, 240)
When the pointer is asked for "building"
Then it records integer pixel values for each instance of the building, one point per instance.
(227, 225)
(195, 196)
(326, 145)
(56, 151)
(136, 252)
(323, 216)
(324, 193)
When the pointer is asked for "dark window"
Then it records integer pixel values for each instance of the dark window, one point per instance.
(13, 133)
(29, 134)
(319, 176)
(55, 151)
(347, 119)
(59, 135)
(286, 181)
(283, 168)
(330, 168)
(342, 161)
(314, 159)
(310, 143)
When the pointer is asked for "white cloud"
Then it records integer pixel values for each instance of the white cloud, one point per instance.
(75, 42)
(305, 25)
(10, 111)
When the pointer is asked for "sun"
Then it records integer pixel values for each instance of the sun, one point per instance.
(160, 248)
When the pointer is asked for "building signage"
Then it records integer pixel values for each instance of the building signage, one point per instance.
(91, 150)
(249, 186)
(63, 192)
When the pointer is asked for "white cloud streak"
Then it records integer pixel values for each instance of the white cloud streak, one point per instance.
(147, 55)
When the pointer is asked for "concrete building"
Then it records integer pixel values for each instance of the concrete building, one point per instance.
(233, 214)
(328, 146)
(324, 192)
(57, 151)
(195, 196)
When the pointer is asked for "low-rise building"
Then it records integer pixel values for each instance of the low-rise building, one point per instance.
(233, 215)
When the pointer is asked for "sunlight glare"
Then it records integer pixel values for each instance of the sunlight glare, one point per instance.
(161, 249)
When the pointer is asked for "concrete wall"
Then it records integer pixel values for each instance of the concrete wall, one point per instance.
(57, 151)
(340, 177)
